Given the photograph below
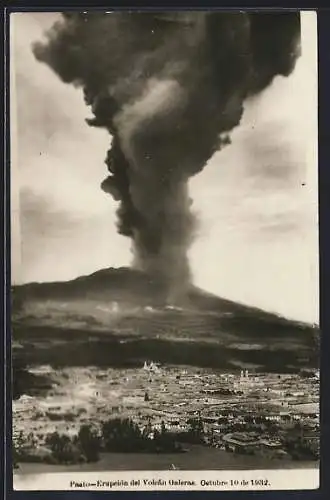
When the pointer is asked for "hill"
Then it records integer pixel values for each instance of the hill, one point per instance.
(119, 317)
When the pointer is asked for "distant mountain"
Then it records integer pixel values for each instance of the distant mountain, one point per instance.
(121, 316)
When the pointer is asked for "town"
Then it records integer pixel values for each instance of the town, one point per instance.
(272, 415)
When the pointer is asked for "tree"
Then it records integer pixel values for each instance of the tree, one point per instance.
(89, 442)
(121, 435)
(162, 427)
(196, 429)
(63, 448)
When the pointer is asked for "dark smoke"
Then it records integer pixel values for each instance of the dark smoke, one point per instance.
(166, 86)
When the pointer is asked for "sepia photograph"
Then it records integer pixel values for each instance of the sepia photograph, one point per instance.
(164, 250)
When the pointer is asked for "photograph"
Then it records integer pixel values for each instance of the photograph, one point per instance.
(164, 250)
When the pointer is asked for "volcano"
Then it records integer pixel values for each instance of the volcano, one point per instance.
(120, 317)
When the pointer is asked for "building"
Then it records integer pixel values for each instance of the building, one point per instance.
(151, 367)
(239, 442)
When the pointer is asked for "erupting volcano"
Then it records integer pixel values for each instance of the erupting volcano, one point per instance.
(168, 87)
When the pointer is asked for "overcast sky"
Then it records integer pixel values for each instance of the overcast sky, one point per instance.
(256, 200)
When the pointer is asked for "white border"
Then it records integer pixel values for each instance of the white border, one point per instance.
(288, 479)
(292, 479)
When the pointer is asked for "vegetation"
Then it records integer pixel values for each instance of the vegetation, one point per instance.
(90, 443)
(125, 436)
(84, 447)
(116, 435)
(195, 433)
(64, 449)
(300, 447)
(25, 449)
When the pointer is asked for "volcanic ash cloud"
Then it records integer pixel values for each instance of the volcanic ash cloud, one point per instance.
(166, 86)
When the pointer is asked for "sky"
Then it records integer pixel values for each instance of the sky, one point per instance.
(256, 200)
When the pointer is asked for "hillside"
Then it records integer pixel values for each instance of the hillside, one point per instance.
(118, 317)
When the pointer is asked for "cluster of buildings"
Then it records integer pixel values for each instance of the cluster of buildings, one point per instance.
(242, 412)
(239, 412)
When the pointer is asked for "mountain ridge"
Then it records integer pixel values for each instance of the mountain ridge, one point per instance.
(117, 276)
(120, 317)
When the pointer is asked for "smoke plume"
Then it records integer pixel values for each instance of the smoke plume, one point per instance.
(167, 87)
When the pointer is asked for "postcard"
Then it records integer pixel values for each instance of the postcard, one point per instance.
(164, 225)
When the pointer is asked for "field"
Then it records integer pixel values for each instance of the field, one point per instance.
(198, 458)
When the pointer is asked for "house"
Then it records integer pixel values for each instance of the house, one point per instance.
(239, 442)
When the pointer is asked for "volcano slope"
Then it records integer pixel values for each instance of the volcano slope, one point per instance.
(118, 318)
